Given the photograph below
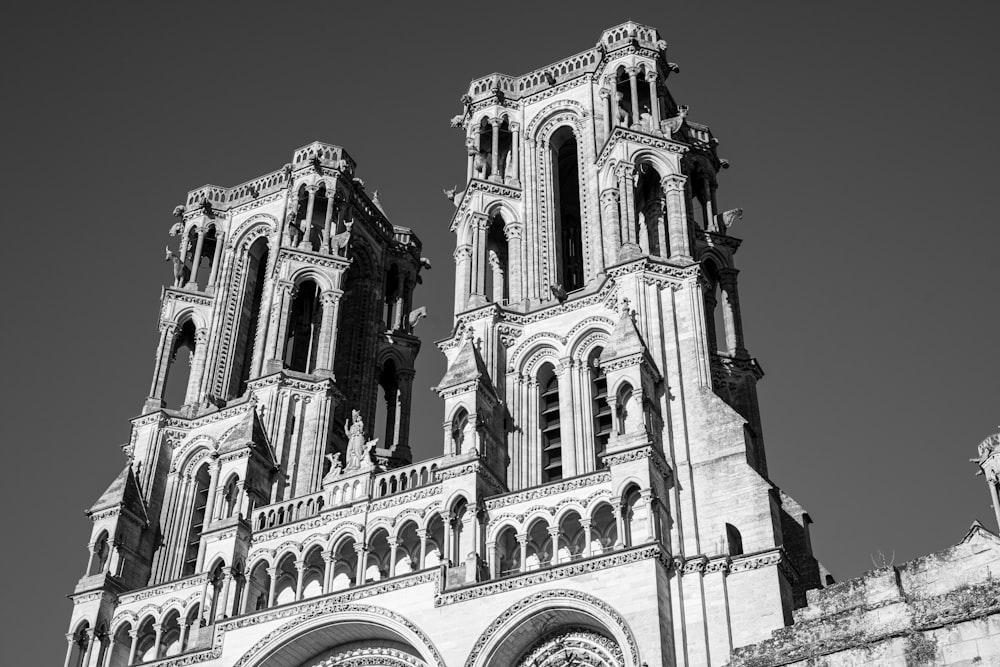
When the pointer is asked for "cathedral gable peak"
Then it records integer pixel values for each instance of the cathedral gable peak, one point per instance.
(979, 532)
(249, 433)
(468, 367)
(123, 492)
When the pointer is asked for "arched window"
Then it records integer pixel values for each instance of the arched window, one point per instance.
(539, 551)
(734, 541)
(458, 425)
(170, 634)
(548, 419)
(566, 208)
(622, 407)
(215, 605)
(255, 275)
(623, 92)
(392, 300)
(317, 225)
(600, 409)
(304, 321)
(714, 321)
(199, 503)
(634, 524)
(508, 553)
(497, 262)
(257, 588)
(650, 218)
(460, 539)
(121, 646)
(101, 554)
(181, 356)
(230, 496)
(386, 404)
(78, 649)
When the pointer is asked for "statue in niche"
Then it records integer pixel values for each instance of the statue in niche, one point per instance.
(646, 121)
(354, 429)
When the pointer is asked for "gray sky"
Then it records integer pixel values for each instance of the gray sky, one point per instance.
(862, 136)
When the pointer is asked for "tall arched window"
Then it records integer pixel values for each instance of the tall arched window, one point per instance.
(180, 356)
(650, 220)
(458, 425)
(496, 267)
(714, 320)
(734, 541)
(250, 304)
(392, 301)
(199, 504)
(566, 208)
(230, 496)
(548, 420)
(317, 225)
(385, 405)
(304, 321)
(599, 408)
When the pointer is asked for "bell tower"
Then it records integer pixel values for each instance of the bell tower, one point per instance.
(596, 279)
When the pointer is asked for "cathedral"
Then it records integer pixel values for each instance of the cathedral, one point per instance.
(601, 494)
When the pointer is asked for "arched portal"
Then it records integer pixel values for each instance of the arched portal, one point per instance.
(346, 631)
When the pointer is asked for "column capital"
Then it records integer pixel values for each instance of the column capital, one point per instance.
(360, 548)
(169, 328)
(673, 182)
(651, 76)
(632, 71)
(462, 252)
(422, 533)
(393, 542)
(513, 230)
(554, 532)
(329, 297)
(521, 538)
(586, 523)
(300, 565)
(604, 93)
(328, 556)
(495, 121)
(515, 127)
(610, 196)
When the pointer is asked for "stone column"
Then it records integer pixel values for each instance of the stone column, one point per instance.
(567, 407)
(612, 223)
(495, 173)
(324, 246)
(276, 333)
(198, 359)
(554, 537)
(612, 82)
(393, 548)
(213, 492)
(588, 549)
(515, 154)
(272, 572)
(480, 224)
(362, 551)
(654, 100)
(404, 392)
(70, 642)
(449, 537)
(330, 302)
(227, 580)
(522, 542)
(605, 95)
(158, 628)
(616, 507)
(300, 569)
(183, 637)
(422, 534)
(677, 223)
(168, 335)
(304, 242)
(220, 239)
(515, 270)
(329, 565)
(91, 638)
(731, 312)
(463, 261)
(134, 634)
(492, 562)
(196, 259)
(634, 87)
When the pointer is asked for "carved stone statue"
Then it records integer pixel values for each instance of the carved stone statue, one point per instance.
(454, 195)
(623, 117)
(335, 465)
(181, 271)
(338, 244)
(416, 315)
(731, 217)
(458, 120)
(670, 126)
(176, 228)
(354, 429)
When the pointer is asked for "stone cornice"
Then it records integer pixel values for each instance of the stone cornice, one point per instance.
(555, 488)
(162, 589)
(553, 573)
(621, 134)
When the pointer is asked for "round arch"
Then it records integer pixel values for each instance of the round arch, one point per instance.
(515, 631)
(339, 624)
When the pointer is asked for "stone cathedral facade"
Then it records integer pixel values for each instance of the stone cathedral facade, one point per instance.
(601, 496)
